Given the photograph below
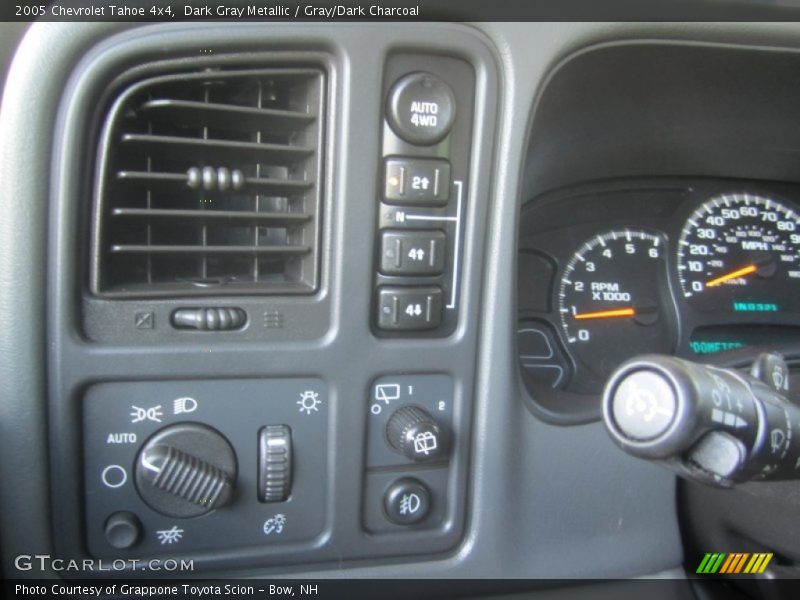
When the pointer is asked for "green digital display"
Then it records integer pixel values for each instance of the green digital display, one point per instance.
(756, 307)
(719, 338)
(712, 347)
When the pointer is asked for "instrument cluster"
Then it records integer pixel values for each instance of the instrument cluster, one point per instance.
(689, 268)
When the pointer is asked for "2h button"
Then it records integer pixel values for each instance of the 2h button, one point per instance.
(417, 181)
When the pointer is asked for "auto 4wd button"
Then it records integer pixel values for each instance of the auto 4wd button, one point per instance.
(421, 108)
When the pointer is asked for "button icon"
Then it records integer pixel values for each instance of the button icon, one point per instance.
(410, 504)
(309, 402)
(146, 414)
(184, 405)
(425, 442)
(644, 405)
(114, 476)
(170, 536)
(274, 525)
(386, 392)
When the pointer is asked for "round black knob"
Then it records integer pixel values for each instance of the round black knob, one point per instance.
(414, 433)
(186, 470)
(421, 108)
(123, 530)
(407, 501)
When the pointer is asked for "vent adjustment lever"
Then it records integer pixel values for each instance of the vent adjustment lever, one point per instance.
(209, 319)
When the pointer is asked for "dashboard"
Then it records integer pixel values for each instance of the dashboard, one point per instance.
(405, 227)
(682, 267)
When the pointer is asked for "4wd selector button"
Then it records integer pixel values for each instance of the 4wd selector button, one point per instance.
(421, 109)
(412, 252)
(409, 308)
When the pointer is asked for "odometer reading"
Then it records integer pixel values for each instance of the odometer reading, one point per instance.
(609, 301)
(739, 253)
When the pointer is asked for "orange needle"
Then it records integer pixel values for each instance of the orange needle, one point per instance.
(606, 314)
(732, 275)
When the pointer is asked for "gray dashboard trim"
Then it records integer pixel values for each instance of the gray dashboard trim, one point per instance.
(29, 107)
(564, 493)
(349, 356)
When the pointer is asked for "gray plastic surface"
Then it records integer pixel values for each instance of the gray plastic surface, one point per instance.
(329, 337)
(543, 501)
(237, 410)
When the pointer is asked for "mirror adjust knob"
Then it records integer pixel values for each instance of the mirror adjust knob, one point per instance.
(414, 433)
(186, 470)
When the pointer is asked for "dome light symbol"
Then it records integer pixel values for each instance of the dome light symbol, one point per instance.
(309, 402)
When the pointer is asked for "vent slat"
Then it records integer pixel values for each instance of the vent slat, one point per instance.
(263, 219)
(209, 250)
(225, 116)
(260, 185)
(209, 183)
(198, 148)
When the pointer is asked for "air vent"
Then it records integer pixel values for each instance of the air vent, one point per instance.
(209, 183)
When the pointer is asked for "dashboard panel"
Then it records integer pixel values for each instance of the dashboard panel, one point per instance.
(513, 478)
(689, 267)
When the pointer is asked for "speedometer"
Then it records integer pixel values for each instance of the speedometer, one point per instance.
(739, 253)
(610, 301)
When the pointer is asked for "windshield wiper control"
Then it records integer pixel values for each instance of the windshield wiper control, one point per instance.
(719, 426)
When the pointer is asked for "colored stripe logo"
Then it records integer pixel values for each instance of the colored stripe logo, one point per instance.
(734, 563)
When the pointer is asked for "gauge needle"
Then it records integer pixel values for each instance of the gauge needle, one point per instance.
(732, 275)
(606, 314)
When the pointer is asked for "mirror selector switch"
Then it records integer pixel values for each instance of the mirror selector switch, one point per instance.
(413, 432)
(412, 252)
(417, 181)
(274, 463)
(409, 308)
(421, 109)
(186, 470)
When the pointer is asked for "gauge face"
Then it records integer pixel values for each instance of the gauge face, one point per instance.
(609, 301)
(739, 253)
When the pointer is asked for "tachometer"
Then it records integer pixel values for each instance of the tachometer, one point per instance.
(609, 300)
(739, 253)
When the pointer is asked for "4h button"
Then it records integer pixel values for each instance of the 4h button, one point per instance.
(407, 501)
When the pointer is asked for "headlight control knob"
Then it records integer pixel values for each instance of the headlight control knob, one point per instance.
(414, 433)
(186, 470)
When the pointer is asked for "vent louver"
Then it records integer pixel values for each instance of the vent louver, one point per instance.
(209, 183)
